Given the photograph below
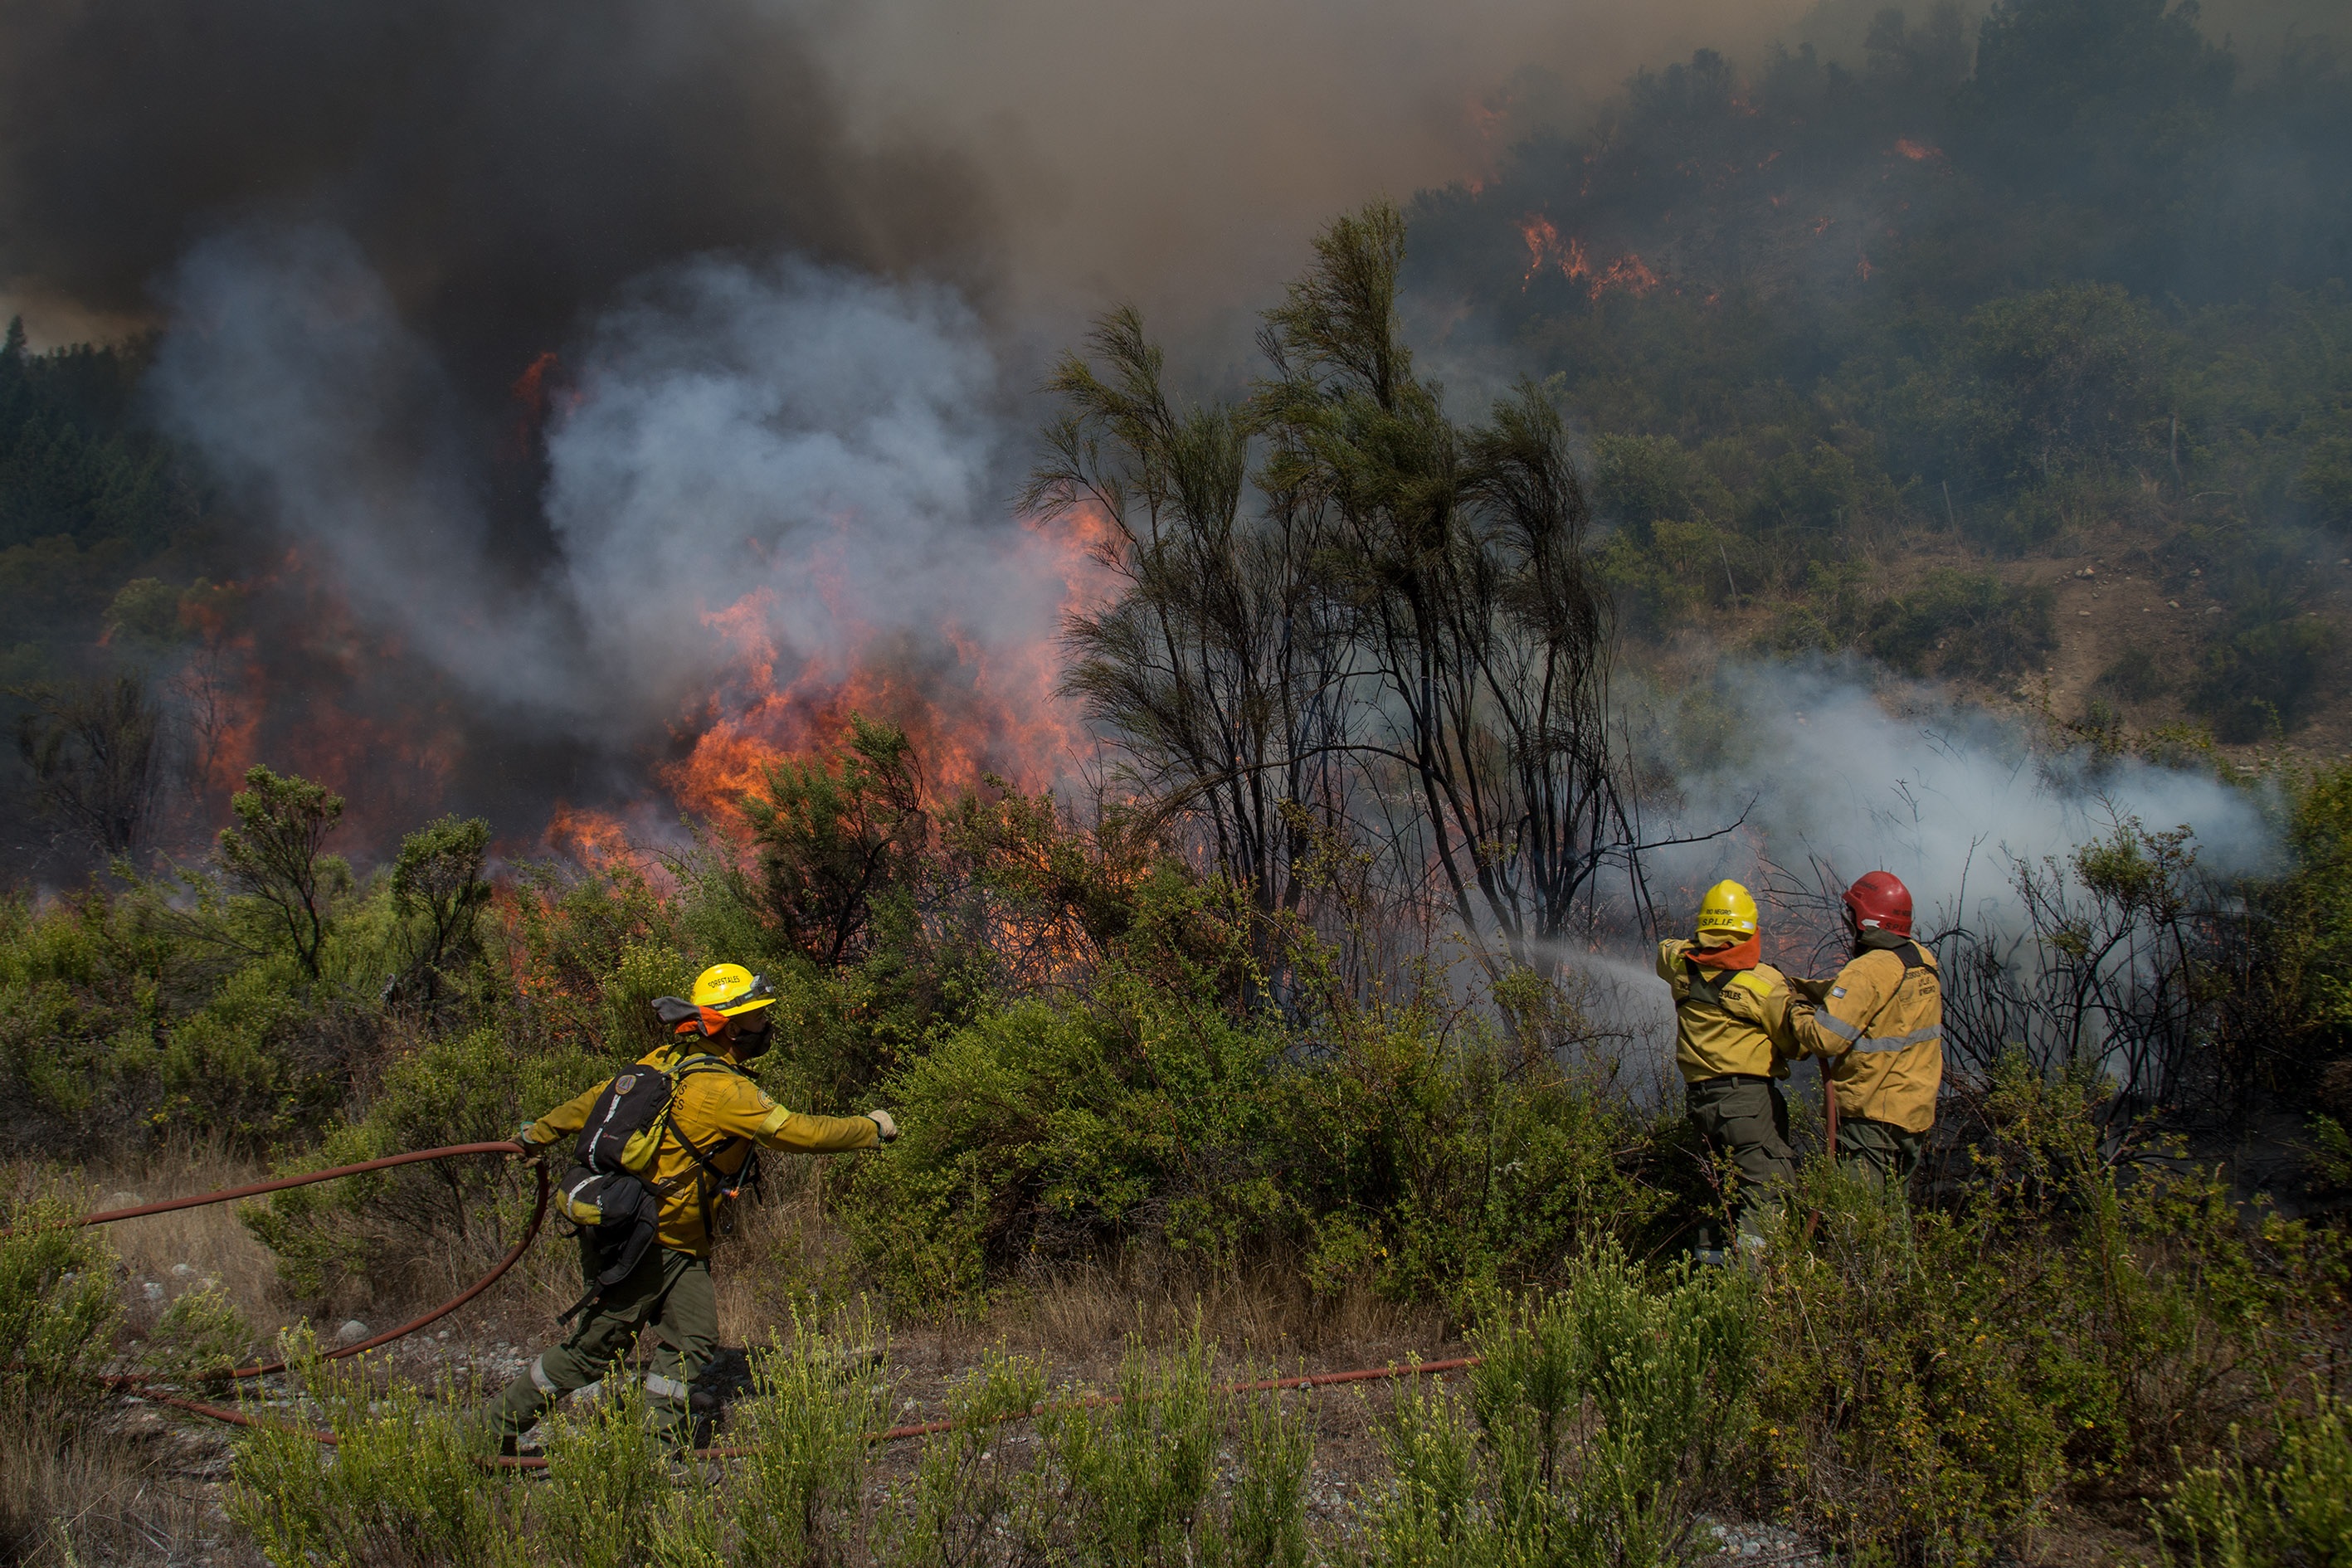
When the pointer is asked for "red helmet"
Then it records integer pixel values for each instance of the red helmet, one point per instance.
(1880, 901)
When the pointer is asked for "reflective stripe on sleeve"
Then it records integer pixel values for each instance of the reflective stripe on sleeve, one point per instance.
(1838, 1026)
(540, 1381)
(667, 1388)
(1899, 1042)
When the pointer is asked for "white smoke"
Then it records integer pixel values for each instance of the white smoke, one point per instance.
(1823, 766)
(820, 452)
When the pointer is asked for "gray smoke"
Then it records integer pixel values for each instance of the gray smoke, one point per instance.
(815, 455)
(1828, 764)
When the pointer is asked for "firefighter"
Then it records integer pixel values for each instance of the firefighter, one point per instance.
(1732, 1042)
(728, 1117)
(1879, 1028)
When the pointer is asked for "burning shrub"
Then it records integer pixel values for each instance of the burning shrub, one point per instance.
(839, 846)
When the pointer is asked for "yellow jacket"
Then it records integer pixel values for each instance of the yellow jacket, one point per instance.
(1881, 1029)
(727, 1115)
(1727, 1020)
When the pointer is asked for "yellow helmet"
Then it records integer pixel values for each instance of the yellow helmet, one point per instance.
(732, 990)
(1727, 908)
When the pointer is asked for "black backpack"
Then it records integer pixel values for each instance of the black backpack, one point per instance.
(609, 1188)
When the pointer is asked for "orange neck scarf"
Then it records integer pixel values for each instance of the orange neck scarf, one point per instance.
(1744, 954)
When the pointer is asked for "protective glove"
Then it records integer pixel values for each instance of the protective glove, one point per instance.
(1815, 991)
(882, 1124)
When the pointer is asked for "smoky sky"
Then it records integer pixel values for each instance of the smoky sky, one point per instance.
(501, 167)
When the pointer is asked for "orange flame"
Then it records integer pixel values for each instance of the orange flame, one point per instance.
(1629, 273)
(1917, 151)
(1546, 249)
(993, 711)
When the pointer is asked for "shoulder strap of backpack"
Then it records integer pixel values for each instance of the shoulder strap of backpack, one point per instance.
(706, 1160)
(1707, 991)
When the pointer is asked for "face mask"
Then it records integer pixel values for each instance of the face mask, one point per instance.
(749, 1047)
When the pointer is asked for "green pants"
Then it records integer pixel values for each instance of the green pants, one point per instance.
(1879, 1152)
(669, 1290)
(1747, 1118)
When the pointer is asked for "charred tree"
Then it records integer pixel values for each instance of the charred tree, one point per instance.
(92, 749)
(1482, 645)
(1216, 670)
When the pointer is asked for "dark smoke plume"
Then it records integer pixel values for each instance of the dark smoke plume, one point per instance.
(500, 166)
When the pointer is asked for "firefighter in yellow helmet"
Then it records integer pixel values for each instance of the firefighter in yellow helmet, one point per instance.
(1733, 1043)
(1878, 1029)
(717, 1120)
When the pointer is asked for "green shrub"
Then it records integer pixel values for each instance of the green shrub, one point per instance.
(2135, 675)
(58, 1314)
(1405, 1146)
(2291, 1507)
(463, 1089)
(2258, 680)
(1958, 623)
(1053, 1125)
(1593, 1426)
(1937, 1379)
(200, 1339)
(402, 1486)
(818, 1401)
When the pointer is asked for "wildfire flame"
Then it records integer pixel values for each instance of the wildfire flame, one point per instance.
(989, 710)
(1917, 151)
(1547, 249)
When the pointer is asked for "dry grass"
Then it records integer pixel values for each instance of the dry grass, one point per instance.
(177, 1252)
(101, 1497)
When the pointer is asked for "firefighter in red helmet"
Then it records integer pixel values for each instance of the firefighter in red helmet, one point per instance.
(1879, 1026)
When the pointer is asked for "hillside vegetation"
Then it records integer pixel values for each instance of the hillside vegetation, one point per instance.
(1310, 1003)
(1859, 348)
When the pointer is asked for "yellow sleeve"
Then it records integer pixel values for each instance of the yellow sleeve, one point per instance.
(1775, 1016)
(818, 1135)
(1830, 1028)
(1669, 953)
(743, 1109)
(569, 1117)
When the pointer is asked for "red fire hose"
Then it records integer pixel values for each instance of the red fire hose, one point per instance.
(530, 1233)
(254, 1189)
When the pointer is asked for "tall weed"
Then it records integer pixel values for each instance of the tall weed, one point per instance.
(1593, 1425)
(607, 1491)
(1135, 1474)
(58, 1314)
(402, 1487)
(810, 1426)
(2293, 1506)
(976, 1497)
